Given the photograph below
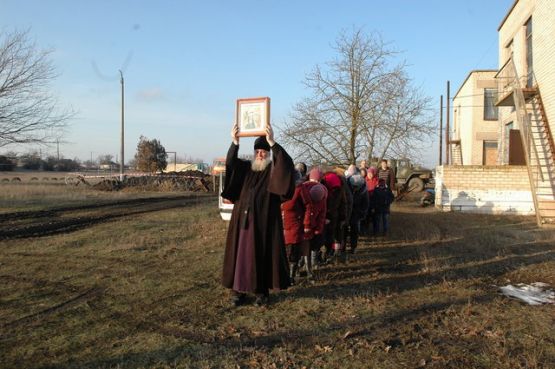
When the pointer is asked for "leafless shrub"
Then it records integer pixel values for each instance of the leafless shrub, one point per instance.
(29, 113)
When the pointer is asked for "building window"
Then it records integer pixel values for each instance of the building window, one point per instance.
(490, 110)
(529, 55)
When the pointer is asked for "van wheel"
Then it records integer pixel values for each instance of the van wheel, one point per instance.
(416, 184)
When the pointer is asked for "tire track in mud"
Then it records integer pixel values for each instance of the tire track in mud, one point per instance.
(50, 222)
(20, 215)
(71, 302)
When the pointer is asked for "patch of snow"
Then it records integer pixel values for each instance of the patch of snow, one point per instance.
(533, 294)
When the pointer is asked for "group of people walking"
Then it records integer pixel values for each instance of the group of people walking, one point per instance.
(286, 216)
(328, 211)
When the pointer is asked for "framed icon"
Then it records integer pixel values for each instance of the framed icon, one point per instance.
(253, 115)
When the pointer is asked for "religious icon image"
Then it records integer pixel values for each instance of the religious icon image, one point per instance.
(253, 115)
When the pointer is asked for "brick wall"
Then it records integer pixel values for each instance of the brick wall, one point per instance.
(543, 36)
(484, 189)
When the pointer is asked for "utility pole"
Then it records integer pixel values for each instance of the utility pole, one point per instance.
(447, 128)
(121, 164)
(40, 157)
(441, 130)
(58, 148)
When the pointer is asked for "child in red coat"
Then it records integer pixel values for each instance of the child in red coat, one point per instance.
(371, 184)
(314, 196)
(293, 214)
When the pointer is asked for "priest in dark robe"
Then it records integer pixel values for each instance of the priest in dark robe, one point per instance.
(254, 260)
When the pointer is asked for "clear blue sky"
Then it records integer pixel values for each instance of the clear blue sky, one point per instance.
(188, 61)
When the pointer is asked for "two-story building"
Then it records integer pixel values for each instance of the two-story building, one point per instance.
(523, 91)
(475, 134)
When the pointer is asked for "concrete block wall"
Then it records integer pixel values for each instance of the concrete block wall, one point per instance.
(484, 189)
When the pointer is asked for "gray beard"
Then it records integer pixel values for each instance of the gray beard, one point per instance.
(260, 165)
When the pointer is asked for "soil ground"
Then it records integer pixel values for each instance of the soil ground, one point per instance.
(133, 282)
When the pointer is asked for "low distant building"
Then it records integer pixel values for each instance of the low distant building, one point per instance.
(108, 166)
(218, 166)
(184, 167)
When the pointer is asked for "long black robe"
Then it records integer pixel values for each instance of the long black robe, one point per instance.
(257, 197)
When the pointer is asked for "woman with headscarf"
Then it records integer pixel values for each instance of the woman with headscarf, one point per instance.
(293, 213)
(315, 196)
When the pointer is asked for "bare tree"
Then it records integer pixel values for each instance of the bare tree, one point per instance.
(189, 159)
(106, 159)
(361, 106)
(29, 113)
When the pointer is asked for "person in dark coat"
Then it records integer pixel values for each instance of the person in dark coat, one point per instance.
(380, 202)
(301, 168)
(387, 174)
(340, 254)
(254, 258)
(336, 213)
(357, 186)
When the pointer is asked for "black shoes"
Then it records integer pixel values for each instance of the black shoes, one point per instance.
(262, 299)
(238, 299)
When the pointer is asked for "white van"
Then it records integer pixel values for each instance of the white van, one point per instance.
(226, 206)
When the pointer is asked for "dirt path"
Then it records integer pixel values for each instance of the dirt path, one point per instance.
(70, 219)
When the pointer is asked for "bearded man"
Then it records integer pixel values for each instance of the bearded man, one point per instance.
(254, 260)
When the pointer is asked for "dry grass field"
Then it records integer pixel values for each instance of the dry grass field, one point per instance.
(131, 280)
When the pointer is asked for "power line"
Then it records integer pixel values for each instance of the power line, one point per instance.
(495, 40)
(468, 106)
(480, 94)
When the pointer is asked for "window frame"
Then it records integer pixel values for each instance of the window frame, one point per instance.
(493, 92)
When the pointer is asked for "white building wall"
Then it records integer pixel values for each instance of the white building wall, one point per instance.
(468, 111)
(513, 29)
(463, 119)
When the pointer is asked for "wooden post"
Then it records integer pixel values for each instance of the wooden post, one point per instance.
(447, 128)
(441, 130)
